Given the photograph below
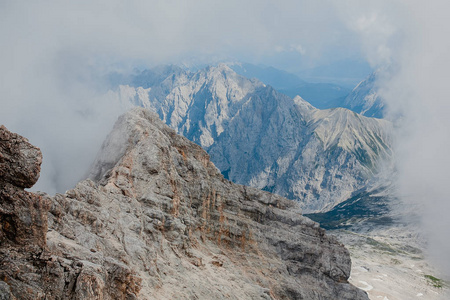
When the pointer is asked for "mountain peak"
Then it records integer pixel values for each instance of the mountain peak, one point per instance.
(160, 222)
(263, 138)
(303, 104)
(365, 99)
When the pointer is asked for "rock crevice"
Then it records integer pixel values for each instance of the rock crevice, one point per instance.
(159, 221)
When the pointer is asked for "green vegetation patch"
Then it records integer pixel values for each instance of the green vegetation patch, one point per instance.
(436, 282)
(382, 246)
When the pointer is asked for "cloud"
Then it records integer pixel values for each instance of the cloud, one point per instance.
(292, 48)
(158, 31)
(54, 55)
(411, 36)
(424, 156)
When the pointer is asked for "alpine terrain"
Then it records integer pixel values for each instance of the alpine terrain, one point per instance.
(157, 221)
(259, 137)
(364, 98)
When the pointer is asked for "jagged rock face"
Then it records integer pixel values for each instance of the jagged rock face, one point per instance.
(20, 162)
(159, 221)
(197, 105)
(262, 138)
(23, 218)
(319, 157)
(364, 98)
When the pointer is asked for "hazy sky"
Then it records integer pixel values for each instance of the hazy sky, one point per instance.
(53, 54)
(412, 37)
(310, 33)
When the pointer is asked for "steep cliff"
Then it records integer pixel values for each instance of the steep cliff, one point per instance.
(259, 137)
(365, 99)
(158, 221)
(23, 219)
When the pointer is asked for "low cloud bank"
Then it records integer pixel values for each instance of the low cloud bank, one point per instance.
(54, 55)
(412, 38)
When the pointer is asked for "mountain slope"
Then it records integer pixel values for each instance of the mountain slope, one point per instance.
(260, 137)
(198, 105)
(364, 98)
(319, 157)
(159, 222)
(320, 95)
(365, 209)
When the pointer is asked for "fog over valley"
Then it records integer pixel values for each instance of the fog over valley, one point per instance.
(338, 106)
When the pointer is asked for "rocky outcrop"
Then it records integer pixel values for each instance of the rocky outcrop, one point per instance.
(20, 162)
(259, 137)
(158, 221)
(23, 219)
(365, 99)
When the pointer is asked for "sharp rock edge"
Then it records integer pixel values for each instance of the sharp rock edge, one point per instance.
(158, 221)
(259, 137)
(365, 99)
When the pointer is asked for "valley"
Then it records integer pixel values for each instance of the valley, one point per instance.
(337, 164)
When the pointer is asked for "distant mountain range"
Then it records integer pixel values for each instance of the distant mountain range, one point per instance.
(261, 137)
(320, 95)
(364, 98)
(346, 72)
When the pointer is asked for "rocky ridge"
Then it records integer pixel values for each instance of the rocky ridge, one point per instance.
(320, 95)
(365, 99)
(320, 157)
(158, 221)
(259, 137)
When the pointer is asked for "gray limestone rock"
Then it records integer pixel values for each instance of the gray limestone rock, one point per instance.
(365, 98)
(20, 162)
(259, 137)
(157, 220)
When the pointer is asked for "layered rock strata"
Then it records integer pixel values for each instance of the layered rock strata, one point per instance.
(262, 138)
(23, 219)
(157, 220)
